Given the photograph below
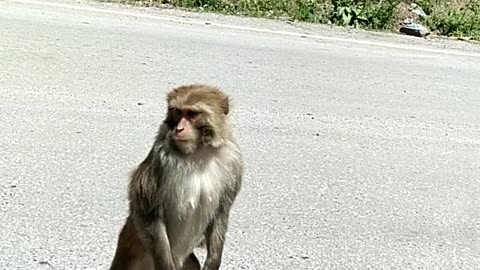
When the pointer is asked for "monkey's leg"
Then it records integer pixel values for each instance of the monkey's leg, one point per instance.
(192, 263)
(130, 250)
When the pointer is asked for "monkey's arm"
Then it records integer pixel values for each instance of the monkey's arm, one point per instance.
(216, 231)
(156, 238)
(215, 237)
(147, 210)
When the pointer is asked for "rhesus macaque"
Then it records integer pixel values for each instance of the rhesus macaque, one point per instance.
(180, 196)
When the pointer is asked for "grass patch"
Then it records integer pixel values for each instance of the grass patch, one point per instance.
(372, 14)
(450, 18)
(301, 10)
(460, 19)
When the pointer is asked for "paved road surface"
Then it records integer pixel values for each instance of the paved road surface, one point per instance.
(358, 156)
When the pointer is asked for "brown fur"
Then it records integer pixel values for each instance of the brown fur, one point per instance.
(195, 94)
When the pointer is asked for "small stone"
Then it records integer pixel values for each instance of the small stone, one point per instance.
(413, 29)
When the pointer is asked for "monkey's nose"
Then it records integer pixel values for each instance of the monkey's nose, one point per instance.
(179, 130)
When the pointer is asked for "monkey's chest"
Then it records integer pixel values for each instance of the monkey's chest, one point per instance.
(192, 207)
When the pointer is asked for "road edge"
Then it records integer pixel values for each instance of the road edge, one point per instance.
(214, 20)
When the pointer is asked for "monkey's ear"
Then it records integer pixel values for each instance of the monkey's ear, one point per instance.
(225, 105)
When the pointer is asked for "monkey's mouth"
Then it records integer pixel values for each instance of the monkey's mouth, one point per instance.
(181, 140)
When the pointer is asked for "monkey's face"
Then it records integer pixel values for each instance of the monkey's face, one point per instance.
(196, 118)
(185, 129)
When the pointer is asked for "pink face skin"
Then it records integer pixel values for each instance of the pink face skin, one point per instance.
(185, 134)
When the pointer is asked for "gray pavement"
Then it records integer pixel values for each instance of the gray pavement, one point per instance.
(358, 155)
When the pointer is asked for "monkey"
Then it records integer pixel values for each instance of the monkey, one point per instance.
(180, 196)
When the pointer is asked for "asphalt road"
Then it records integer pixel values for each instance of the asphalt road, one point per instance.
(359, 155)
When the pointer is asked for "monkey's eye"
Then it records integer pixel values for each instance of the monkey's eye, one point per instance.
(177, 111)
(192, 114)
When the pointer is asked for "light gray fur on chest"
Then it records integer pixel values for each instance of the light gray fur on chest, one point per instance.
(196, 193)
(192, 199)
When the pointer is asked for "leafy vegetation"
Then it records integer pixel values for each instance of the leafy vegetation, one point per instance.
(459, 19)
(446, 17)
(367, 13)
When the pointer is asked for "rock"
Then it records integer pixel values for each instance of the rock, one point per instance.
(418, 10)
(414, 29)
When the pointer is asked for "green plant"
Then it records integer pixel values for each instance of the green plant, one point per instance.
(380, 14)
(367, 13)
(305, 10)
(457, 21)
(347, 15)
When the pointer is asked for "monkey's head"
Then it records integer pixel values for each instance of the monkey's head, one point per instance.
(197, 118)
